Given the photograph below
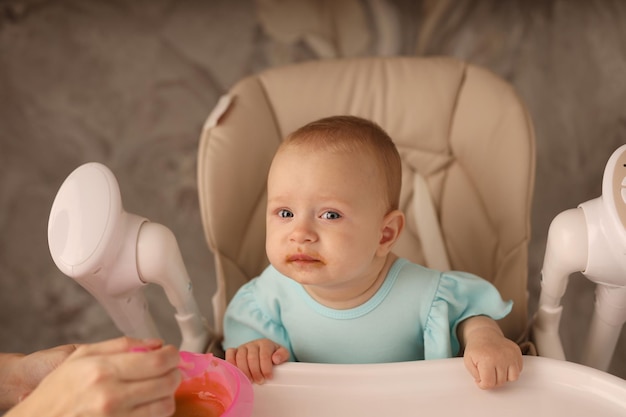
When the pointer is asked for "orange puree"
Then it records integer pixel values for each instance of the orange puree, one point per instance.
(201, 397)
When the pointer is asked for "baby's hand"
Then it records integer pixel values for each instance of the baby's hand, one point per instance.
(491, 358)
(257, 358)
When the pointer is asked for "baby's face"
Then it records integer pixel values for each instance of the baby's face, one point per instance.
(324, 218)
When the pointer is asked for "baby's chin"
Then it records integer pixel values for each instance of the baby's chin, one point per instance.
(299, 270)
(309, 273)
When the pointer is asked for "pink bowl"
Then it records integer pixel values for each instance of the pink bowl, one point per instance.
(212, 387)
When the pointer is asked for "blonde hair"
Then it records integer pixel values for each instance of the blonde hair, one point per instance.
(350, 134)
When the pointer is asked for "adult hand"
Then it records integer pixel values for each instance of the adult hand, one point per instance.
(20, 374)
(108, 379)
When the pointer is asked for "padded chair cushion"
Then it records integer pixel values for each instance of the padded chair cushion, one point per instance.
(461, 127)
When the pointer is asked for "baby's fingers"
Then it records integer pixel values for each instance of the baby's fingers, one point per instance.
(488, 377)
(514, 371)
(281, 355)
(244, 359)
(485, 374)
(471, 368)
(496, 376)
(266, 355)
(232, 355)
(255, 360)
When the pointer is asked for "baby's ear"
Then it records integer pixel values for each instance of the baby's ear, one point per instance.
(392, 226)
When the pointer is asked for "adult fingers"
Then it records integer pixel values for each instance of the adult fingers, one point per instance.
(67, 349)
(163, 407)
(145, 365)
(138, 393)
(121, 344)
(107, 394)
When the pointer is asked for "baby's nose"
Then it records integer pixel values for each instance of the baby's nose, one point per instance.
(303, 231)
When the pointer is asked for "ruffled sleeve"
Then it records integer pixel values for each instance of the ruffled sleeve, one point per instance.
(459, 296)
(249, 316)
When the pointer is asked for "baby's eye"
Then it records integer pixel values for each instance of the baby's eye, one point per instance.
(284, 213)
(331, 215)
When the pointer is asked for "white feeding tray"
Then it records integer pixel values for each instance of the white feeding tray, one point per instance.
(547, 387)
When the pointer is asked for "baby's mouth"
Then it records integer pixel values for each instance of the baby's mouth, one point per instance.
(302, 259)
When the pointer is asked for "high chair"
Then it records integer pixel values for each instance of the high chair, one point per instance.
(467, 147)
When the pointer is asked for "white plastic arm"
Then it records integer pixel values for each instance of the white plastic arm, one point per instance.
(566, 253)
(117, 285)
(130, 314)
(606, 325)
(159, 261)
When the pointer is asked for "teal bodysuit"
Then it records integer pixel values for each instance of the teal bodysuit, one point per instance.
(413, 316)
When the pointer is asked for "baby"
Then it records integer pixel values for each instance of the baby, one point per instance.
(334, 291)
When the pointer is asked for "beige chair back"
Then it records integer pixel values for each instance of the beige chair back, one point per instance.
(460, 127)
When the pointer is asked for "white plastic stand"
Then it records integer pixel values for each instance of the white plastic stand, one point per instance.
(590, 239)
(113, 254)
